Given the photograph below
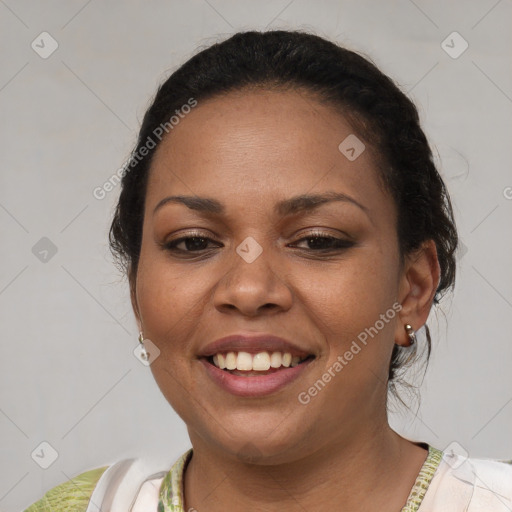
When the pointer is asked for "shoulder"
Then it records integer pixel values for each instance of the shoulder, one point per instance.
(71, 495)
(491, 482)
(114, 487)
(471, 484)
(495, 474)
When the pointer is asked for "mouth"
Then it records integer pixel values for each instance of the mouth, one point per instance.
(254, 375)
(254, 365)
(245, 364)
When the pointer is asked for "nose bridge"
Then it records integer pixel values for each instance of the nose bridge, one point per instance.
(253, 279)
(252, 263)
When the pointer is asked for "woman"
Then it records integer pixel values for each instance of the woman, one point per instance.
(285, 232)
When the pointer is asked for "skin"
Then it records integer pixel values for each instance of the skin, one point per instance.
(249, 150)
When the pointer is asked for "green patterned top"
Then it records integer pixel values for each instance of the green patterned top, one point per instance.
(423, 480)
(71, 496)
(171, 490)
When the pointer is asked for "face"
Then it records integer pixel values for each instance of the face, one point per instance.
(317, 273)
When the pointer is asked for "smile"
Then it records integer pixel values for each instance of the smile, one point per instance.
(238, 373)
(255, 364)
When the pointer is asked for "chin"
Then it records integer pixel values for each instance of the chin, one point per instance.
(255, 446)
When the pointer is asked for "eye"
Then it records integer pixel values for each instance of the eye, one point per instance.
(194, 243)
(318, 241)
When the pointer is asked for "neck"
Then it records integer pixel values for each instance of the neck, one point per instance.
(375, 470)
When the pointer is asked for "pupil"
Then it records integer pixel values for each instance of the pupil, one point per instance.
(194, 243)
(318, 242)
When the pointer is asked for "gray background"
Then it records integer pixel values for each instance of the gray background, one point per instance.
(68, 373)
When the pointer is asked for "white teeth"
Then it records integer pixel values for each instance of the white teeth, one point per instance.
(262, 361)
(276, 359)
(230, 361)
(244, 361)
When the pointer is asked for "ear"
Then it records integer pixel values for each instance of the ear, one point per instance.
(133, 297)
(418, 285)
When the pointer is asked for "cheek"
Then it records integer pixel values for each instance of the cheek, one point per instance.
(354, 293)
(348, 304)
(155, 293)
(168, 300)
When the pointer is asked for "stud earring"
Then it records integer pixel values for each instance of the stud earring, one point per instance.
(411, 333)
(143, 353)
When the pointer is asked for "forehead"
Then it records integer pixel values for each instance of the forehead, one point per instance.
(261, 143)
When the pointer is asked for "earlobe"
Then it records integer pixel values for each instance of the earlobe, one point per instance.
(419, 285)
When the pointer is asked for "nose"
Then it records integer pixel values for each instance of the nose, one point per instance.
(253, 288)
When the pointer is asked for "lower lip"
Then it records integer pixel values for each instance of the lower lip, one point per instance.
(257, 385)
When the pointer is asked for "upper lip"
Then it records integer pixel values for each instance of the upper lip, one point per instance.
(252, 344)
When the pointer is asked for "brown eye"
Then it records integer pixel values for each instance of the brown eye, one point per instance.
(325, 242)
(189, 244)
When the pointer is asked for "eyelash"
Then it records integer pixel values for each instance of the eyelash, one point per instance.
(340, 243)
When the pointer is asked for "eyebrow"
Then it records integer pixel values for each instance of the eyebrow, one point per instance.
(284, 208)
